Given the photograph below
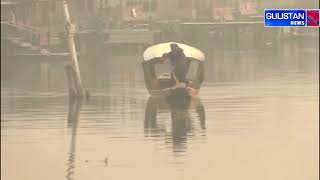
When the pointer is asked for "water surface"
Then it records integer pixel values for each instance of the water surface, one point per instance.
(256, 118)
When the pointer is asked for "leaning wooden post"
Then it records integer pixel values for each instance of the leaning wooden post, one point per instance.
(71, 81)
(72, 49)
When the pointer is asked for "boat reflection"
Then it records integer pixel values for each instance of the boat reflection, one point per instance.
(182, 118)
(73, 121)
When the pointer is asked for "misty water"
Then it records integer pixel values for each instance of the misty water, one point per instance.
(256, 118)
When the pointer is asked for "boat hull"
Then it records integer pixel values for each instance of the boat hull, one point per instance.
(171, 91)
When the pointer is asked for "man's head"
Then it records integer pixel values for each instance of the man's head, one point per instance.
(174, 47)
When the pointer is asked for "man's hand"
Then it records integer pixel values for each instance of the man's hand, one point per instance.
(165, 55)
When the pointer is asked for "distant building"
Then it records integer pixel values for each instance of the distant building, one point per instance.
(208, 10)
(203, 10)
(49, 13)
(43, 20)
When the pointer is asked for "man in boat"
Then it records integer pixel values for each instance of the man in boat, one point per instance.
(178, 61)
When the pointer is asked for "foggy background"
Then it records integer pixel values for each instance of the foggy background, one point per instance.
(256, 116)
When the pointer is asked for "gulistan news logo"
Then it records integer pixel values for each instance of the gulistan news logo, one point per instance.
(291, 17)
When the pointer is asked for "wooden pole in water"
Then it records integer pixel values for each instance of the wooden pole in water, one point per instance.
(74, 61)
(71, 81)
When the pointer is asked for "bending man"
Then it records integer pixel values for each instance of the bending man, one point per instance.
(178, 61)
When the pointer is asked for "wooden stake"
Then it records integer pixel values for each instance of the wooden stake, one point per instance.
(72, 49)
(71, 82)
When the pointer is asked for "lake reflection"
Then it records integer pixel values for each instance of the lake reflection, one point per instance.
(181, 121)
(73, 121)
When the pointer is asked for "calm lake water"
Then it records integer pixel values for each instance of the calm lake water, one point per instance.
(256, 118)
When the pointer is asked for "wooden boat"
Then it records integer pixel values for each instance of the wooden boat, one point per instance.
(159, 78)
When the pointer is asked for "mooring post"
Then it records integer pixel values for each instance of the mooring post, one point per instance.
(71, 81)
(72, 49)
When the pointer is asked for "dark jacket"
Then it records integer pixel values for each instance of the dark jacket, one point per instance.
(179, 62)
